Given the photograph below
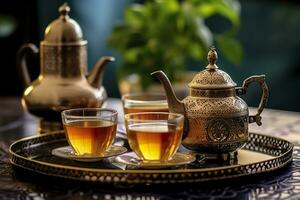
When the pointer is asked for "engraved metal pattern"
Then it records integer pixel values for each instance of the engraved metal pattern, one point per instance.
(216, 134)
(212, 79)
(212, 93)
(23, 150)
(217, 130)
(281, 185)
(215, 124)
(199, 107)
(61, 60)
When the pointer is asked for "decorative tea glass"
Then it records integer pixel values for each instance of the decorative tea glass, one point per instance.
(144, 102)
(90, 131)
(154, 139)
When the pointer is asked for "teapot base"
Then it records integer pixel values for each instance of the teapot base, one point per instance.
(226, 158)
(215, 148)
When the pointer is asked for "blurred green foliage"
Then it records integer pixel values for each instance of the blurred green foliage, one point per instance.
(165, 34)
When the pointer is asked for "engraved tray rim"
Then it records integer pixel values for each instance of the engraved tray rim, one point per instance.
(156, 176)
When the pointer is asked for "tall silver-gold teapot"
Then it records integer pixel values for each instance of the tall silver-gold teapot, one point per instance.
(63, 82)
(216, 117)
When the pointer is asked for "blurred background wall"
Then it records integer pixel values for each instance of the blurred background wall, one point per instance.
(269, 35)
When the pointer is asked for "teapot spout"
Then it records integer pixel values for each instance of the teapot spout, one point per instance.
(96, 76)
(174, 104)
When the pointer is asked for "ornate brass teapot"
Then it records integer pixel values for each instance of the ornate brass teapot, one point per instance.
(63, 82)
(216, 118)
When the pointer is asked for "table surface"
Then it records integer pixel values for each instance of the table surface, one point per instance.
(285, 184)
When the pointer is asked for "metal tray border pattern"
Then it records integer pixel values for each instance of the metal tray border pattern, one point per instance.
(280, 148)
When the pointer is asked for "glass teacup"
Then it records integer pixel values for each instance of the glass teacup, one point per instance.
(156, 139)
(144, 102)
(90, 131)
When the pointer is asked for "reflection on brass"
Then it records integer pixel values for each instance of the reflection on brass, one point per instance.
(261, 154)
(216, 117)
(63, 82)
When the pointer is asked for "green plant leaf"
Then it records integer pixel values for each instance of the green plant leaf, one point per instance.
(171, 6)
(166, 34)
(134, 16)
(230, 48)
(229, 9)
(131, 55)
(196, 51)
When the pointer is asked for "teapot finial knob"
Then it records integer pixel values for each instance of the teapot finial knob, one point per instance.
(64, 10)
(212, 58)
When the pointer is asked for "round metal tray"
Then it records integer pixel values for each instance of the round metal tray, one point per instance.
(261, 154)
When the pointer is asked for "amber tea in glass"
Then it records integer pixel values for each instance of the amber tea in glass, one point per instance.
(157, 139)
(144, 102)
(90, 131)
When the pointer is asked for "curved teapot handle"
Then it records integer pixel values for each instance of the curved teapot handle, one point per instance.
(265, 94)
(21, 61)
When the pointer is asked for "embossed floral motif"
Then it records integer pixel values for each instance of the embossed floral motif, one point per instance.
(241, 127)
(217, 130)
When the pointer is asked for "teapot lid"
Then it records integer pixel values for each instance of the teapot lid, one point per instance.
(63, 30)
(212, 77)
